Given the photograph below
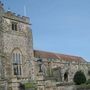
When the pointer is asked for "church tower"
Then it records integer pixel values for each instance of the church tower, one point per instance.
(16, 47)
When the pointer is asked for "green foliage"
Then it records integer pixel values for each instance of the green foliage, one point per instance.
(30, 85)
(88, 81)
(79, 78)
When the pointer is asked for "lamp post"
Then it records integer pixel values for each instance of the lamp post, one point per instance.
(39, 61)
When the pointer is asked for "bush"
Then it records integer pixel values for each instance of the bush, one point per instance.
(79, 78)
(88, 81)
(30, 85)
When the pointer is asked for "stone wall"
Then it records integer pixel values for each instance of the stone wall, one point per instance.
(65, 88)
(58, 69)
(11, 40)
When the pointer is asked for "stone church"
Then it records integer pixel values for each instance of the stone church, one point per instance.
(20, 63)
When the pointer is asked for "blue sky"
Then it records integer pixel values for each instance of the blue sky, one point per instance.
(61, 26)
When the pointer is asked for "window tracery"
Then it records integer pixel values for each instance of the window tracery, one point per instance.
(17, 62)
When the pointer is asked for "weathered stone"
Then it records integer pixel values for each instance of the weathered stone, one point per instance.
(16, 36)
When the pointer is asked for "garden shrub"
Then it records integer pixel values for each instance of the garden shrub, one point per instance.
(88, 81)
(79, 78)
(30, 85)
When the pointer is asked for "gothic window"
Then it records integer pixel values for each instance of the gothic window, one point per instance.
(17, 62)
(14, 26)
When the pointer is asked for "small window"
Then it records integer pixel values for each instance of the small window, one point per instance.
(14, 26)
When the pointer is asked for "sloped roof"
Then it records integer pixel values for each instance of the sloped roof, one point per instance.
(50, 55)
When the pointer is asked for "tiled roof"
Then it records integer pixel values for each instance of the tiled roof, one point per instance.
(50, 55)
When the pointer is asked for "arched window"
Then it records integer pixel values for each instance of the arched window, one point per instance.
(17, 62)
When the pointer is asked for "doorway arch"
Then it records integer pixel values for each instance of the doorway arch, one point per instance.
(66, 76)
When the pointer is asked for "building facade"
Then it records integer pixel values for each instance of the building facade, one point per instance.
(16, 49)
(20, 63)
(58, 68)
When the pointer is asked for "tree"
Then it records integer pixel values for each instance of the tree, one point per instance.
(79, 78)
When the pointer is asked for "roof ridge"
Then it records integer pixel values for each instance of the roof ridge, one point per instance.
(46, 54)
(57, 53)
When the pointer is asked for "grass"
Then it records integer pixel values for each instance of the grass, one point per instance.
(30, 85)
(83, 87)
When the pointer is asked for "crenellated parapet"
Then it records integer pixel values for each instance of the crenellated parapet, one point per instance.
(13, 16)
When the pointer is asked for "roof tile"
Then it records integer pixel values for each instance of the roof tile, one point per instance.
(48, 55)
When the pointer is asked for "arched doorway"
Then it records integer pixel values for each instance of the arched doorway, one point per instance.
(66, 76)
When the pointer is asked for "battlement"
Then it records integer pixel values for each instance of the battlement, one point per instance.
(15, 17)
